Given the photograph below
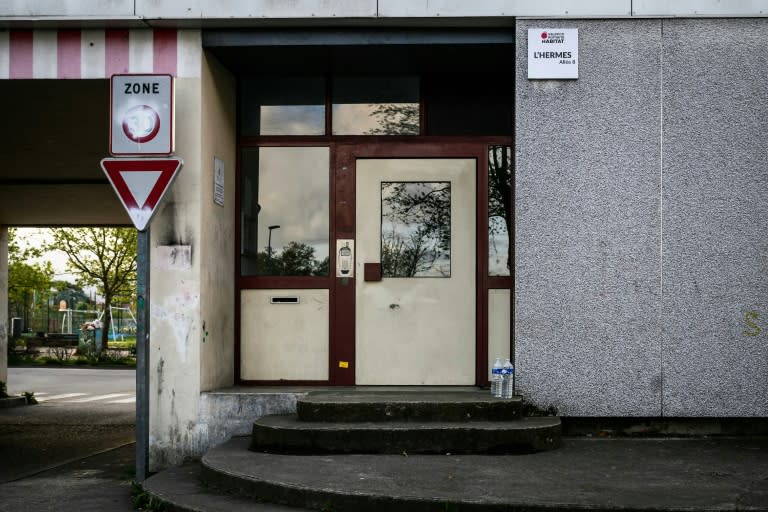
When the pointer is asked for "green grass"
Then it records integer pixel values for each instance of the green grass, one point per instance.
(104, 359)
(127, 343)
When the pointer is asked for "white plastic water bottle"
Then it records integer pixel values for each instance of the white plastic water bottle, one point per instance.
(507, 373)
(496, 378)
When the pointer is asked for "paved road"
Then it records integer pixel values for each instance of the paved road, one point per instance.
(74, 419)
(75, 385)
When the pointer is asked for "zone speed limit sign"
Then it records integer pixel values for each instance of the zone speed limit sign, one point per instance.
(141, 115)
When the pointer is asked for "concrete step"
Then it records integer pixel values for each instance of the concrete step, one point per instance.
(286, 434)
(180, 489)
(419, 406)
(585, 474)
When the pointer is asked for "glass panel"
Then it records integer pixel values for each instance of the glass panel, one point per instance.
(499, 210)
(272, 105)
(416, 229)
(469, 104)
(285, 211)
(376, 106)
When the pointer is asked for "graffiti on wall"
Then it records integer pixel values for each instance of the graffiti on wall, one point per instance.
(751, 324)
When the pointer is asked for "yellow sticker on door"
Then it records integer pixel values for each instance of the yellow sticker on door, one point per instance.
(343, 364)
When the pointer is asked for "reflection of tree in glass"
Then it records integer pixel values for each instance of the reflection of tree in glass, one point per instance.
(500, 194)
(395, 119)
(295, 259)
(416, 229)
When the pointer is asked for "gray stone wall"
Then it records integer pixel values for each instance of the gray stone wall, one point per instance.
(640, 255)
(715, 218)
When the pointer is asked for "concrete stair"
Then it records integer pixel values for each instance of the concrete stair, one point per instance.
(358, 450)
(406, 422)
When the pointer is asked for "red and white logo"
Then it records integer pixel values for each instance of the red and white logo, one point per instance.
(141, 184)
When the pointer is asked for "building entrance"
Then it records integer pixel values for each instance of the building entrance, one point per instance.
(374, 221)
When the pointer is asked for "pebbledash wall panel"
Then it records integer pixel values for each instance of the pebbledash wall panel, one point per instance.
(587, 223)
(641, 284)
(715, 208)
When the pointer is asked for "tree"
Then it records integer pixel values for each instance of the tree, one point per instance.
(26, 279)
(295, 259)
(105, 257)
(395, 119)
(500, 194)
(416, 229)
(74, 295)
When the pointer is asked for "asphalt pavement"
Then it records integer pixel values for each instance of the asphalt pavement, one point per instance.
(61, 454)
(100, 483)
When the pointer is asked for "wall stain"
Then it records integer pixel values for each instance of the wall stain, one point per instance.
(160, 375)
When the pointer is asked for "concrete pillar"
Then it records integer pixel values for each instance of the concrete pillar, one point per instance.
(4, 303)
(174, 316)
(192, 269)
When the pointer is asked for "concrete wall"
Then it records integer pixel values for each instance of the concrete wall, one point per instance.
(311, 10)
(715, 206)
(639, 254)
(175, 292)
(217, 248)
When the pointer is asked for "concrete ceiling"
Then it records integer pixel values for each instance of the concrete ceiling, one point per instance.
(53, 135)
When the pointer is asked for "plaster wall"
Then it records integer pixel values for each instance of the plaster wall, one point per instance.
(640, 284)
(175, 294)
(217, 250)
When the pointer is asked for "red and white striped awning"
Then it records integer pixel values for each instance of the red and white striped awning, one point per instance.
(73, 54)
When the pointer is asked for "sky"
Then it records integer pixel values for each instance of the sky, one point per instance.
(35, 237)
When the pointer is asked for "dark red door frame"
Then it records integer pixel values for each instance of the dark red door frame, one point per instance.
(345, 151)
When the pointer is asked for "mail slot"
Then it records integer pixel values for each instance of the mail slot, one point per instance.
(284, 300)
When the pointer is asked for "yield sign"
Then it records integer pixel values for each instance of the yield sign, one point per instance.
(141, 183)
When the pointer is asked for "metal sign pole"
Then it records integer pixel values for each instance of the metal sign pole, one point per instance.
(142, 356)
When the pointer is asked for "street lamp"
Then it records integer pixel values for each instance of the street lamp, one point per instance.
(269, 240)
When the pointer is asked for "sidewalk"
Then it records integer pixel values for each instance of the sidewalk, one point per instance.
(101, 483)
(66, 457)
(703, 474)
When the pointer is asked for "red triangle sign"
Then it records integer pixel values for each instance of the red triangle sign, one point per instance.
(140, 184)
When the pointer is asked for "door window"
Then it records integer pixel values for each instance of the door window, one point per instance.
(499, 209)
(416, 229)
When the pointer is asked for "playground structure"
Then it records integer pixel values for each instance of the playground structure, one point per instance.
(62, 322)
(122, 324)
(122, 321)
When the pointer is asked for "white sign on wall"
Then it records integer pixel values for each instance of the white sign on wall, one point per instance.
(141, 115)
(553, 53)
(218, 181)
